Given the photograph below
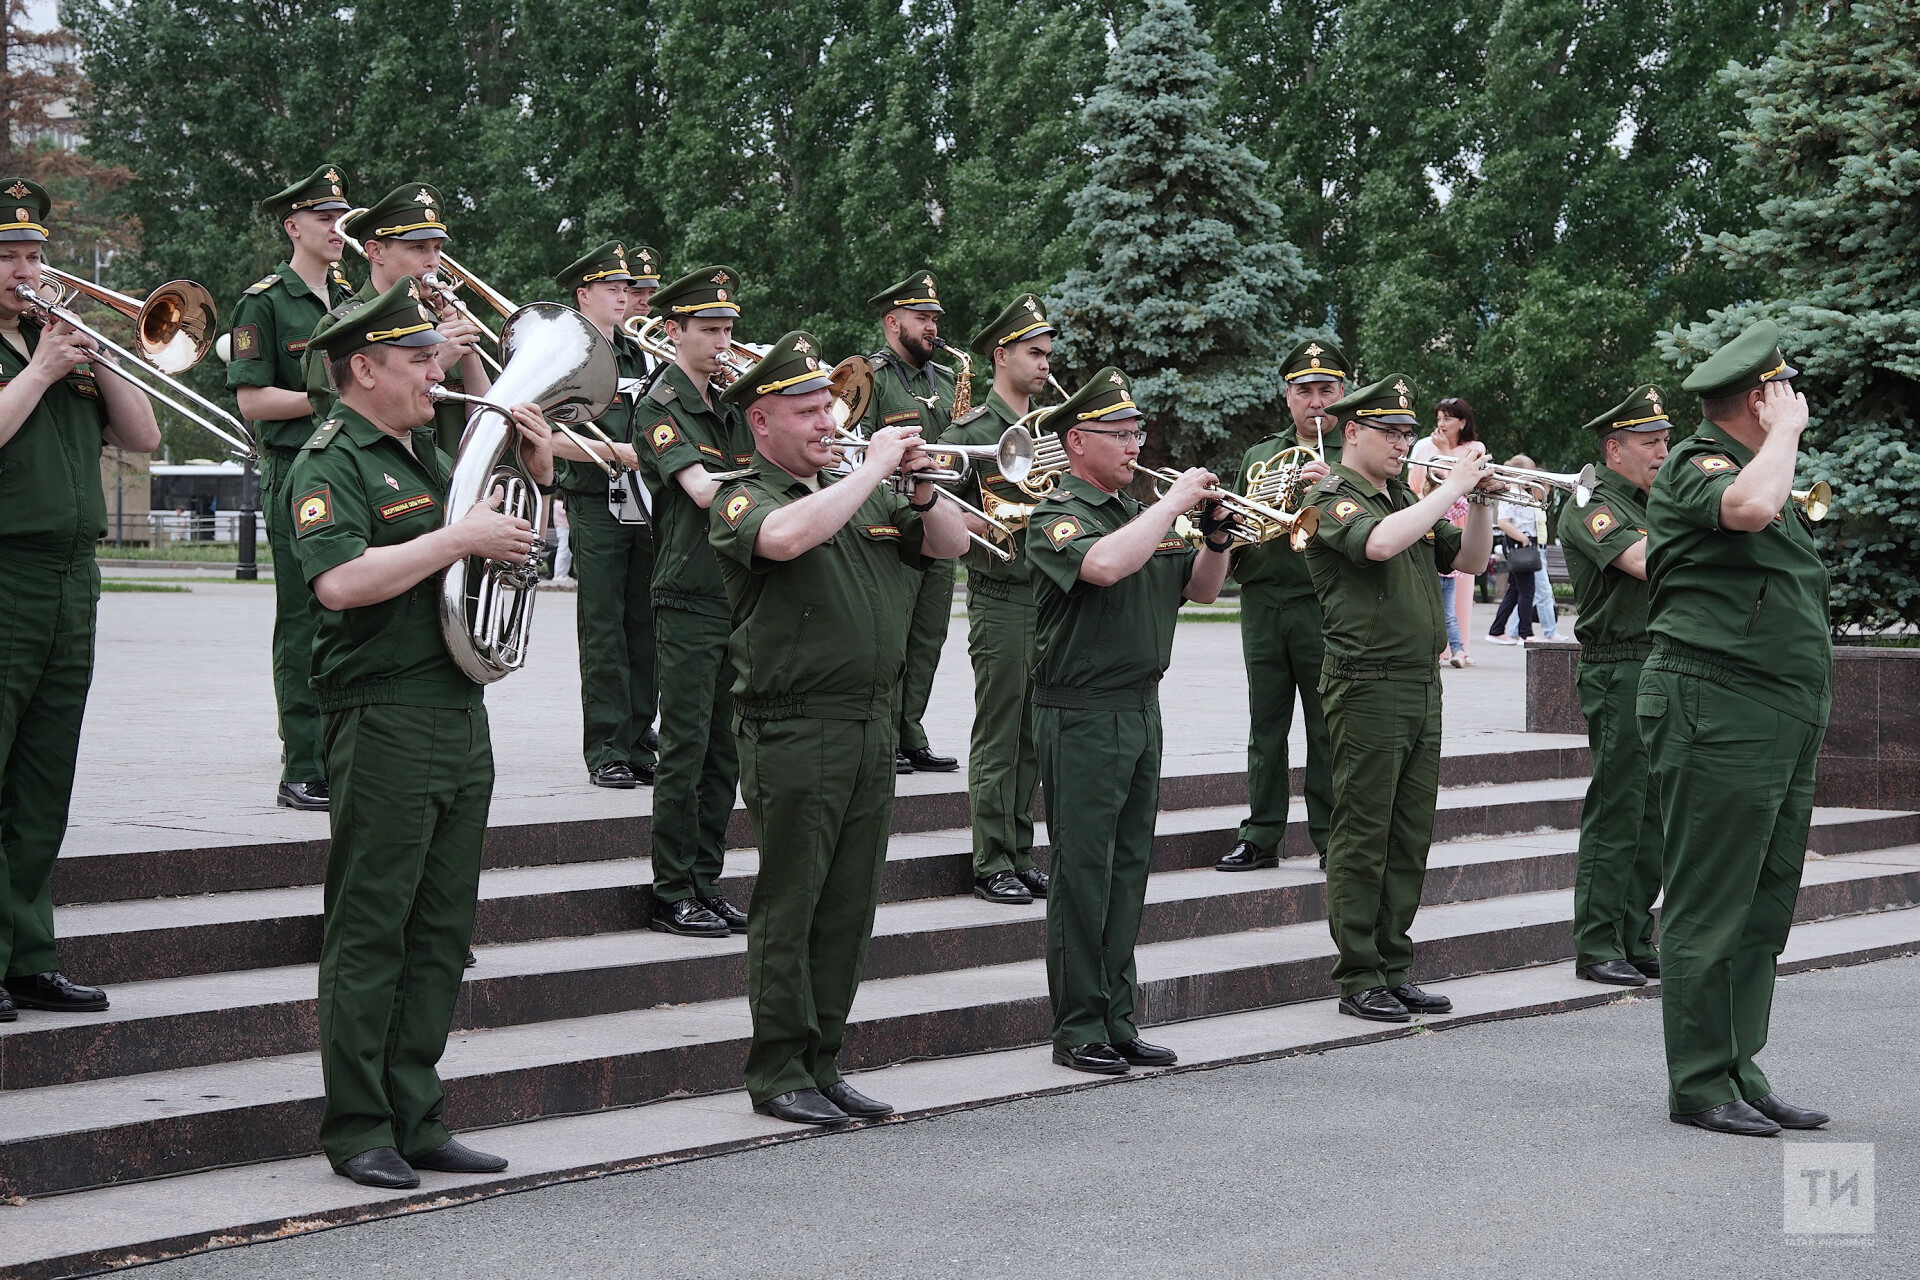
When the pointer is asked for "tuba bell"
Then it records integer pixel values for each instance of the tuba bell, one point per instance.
(552, 356)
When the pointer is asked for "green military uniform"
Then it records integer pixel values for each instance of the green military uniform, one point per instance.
(1381, 693)
(1096, 697)
(1618, 876)
(903, 395)
(268, 336)
(411, 768)
(612, 559)
(410, 211)
(1003, 770)
(1733, 705)
(693, 790)
(1281, 641)
(818, 645)
(52, 512)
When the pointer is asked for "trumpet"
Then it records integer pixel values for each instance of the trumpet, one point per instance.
(440, 285)
(1518, 482)
(650, 333)
(1256, 521)
(1816, 502)
(174, 331)
(951, 464)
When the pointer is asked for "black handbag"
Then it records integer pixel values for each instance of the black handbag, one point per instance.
(1525, 559)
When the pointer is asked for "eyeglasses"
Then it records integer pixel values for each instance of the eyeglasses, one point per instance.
(1138, 437)
(1396, 433)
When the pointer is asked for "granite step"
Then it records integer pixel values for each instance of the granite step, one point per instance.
(72, 1136)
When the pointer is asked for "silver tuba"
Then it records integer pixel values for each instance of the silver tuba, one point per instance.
(551, 356)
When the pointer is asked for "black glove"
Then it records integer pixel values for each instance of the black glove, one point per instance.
(1214, 518)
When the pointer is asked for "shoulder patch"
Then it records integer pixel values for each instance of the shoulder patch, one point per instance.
(1346, 509)
(246, 343)
(736, 507)
(662, 391)
(969, 416)
(1330, 485)
(324, 435)
(1601, 521)
(1716, 464)
(663, 435)
(262, 285)
(1064, 529)
(312, 510)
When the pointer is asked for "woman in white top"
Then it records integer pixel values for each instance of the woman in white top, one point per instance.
(1524, 526)
(1453, 426)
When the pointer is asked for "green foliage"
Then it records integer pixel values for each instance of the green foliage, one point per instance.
(1830, 135)
(1192, 290)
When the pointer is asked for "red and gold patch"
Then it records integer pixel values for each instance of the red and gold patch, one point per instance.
(883, 531)
(1064, 530)
(295, 348)
(711, 452)
(246, 342)
(1171, 544)
(736, 507)
(313, 511)
(895, 419)
(1715, 464)
(1601, 521)
(663, 435)
(406, 506)
(1345, 510)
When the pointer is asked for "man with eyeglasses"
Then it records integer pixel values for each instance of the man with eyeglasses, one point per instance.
(1376, 561)
(1109, 577)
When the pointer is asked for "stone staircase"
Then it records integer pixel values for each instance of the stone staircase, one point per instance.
(205, 1065)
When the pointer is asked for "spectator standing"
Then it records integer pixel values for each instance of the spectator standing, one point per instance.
(1521, 526)
(1454, 424)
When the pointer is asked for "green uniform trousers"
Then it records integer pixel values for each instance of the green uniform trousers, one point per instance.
(613, 612)
(1618, 875)
(1284, 652)
(296, 616)
(926, 635)
(46, 665)
(1386, 775)
(693, 789)
(820, 796)
(411, 786)
(1002, 769)
(1101, 770)
(1735, 780)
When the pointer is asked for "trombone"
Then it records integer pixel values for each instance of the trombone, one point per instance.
(173, 331)
(442, 283)
(1518, 482)
(1815, 502)
(1256, 522)
(650, 333)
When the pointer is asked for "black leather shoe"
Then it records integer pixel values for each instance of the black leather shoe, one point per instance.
(1035, 879)
(802, 1106)
(1647, 968)
(1786, 1115)
(735, 918)
(1139, 1053)
(1418, 1001)
(644, 771)
(380, 1167)
(1098, 1059)
(1615, 973)
(688, 919)
(617, 774)
(1246, 856)
(1003, 887)
(923, 759)
(7, 1011)
(1729, 1117)
(855, 1103)
(1375, 1004)
(308, 797)
(650, 741)
(455, 1156)
(55, 993)
(901, 764)
(471, 960)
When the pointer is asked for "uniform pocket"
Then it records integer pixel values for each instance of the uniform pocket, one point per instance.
(1650, 706)
(1759, 603)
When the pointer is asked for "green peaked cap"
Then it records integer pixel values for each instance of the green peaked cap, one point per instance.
(1107, 397)
(711, 293)
(791, 368)
(1642, 410)
(1742, 364)
(1387, 403)
(396, 318)
(915, 293)
(1024, 317)
(411, 211)
(606, 262)
(1315, 360)
(25, 212)
(323, 191)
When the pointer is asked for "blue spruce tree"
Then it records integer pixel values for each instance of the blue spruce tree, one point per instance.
(1191, 290)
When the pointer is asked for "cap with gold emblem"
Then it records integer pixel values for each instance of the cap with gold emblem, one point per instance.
(397, 318)
(410, 211)
(27, 203)
(1640, 411)
(1024, 318)
(711, 293)
(324, 192)
(791, 368)
(1386, 403)
(1315, 360)
(608, 262)
(1748, 361)
(915, 293)
(1107, 397)
(644, 263)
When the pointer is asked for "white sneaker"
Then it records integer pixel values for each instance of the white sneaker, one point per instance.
(1504, 639)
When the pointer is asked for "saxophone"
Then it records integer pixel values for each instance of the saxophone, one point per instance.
(962, 381)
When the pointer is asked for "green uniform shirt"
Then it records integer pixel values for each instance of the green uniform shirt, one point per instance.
(900, 394)
(271, 325)
(52, 504)
(1381, 618)
(449, 419)
(1094, 641)
(988, 574)
(684, 431)
(1274, 566)
(617, 422)
(823, 635)
(1744, 610)
(355, 487)
(1612, 625)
